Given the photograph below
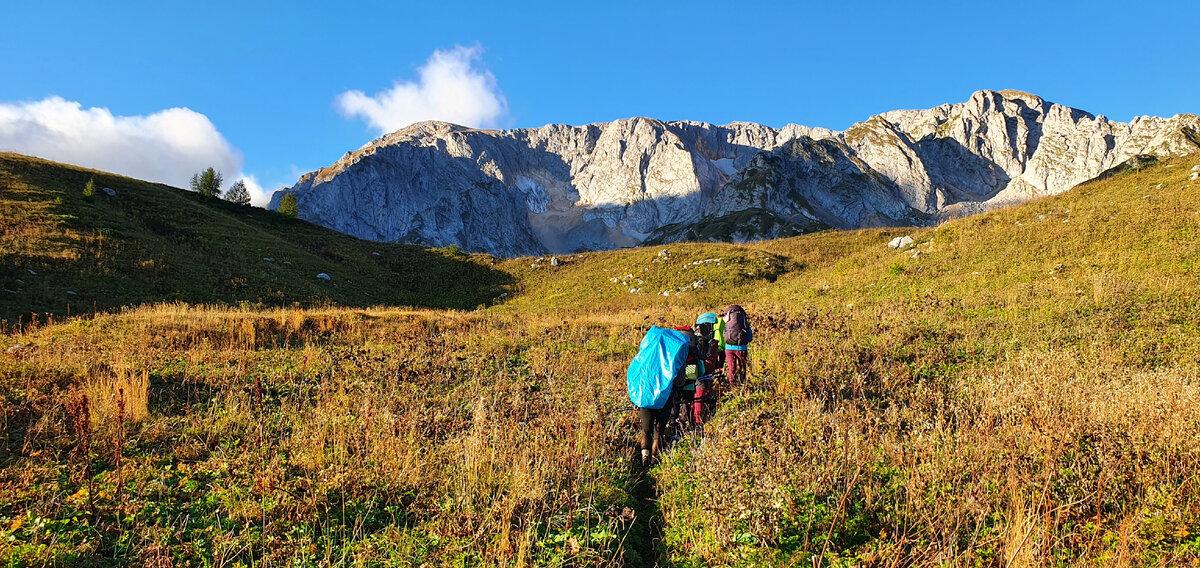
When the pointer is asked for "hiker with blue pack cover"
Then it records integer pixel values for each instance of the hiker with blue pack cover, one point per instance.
(653, 379)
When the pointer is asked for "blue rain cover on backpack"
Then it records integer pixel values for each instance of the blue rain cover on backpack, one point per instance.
(660, 357)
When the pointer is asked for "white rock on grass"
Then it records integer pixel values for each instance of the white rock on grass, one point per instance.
(13, 350)
(323, 276)
(109, 191)
(900, 243)
(1195, 176)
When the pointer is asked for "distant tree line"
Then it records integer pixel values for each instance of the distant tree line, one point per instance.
(208, 183)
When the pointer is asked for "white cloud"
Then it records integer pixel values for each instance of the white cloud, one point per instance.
(167, 146)
(452, 86)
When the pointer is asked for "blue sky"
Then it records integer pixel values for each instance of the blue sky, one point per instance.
(268, 76)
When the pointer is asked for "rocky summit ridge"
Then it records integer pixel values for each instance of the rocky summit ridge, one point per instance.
(561, 188)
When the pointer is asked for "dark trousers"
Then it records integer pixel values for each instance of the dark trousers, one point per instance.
(654, 423)
(735, 366)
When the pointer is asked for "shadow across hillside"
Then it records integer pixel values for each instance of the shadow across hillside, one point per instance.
(133, 242)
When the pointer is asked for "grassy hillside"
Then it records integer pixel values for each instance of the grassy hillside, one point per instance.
(1019, 388)
(62, 252)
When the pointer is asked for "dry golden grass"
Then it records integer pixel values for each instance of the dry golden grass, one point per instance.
(1025, 392)
(117, 395)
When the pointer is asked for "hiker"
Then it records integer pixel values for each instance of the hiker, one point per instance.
(696, 377)
(654, 379)
(710, 345)
(710, 353)
(738, 336)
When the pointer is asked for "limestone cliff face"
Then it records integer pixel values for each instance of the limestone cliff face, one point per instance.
(564, 188)
(1007, 146)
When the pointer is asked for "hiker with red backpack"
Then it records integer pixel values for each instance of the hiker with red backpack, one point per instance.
(697, 380)
(710, 354)
(738, 336)
(709, 344)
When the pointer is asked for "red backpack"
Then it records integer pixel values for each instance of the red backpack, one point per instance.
(691, 358)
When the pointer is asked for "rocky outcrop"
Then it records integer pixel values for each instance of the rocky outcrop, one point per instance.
(565, 188)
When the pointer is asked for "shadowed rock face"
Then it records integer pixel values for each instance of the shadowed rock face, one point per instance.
(564, 188)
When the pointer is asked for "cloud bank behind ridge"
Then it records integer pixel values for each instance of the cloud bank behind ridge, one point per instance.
(452, 86)
(167, 146)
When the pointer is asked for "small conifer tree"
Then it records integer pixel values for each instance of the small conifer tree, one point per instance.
(288, 207)
(238, 193)
(207, 182)
(89, 189)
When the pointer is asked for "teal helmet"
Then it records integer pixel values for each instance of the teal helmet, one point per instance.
(707, 317)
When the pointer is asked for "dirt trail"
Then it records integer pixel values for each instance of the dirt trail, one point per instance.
(645, 545)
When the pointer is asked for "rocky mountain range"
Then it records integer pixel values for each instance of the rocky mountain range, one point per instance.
(565, 188)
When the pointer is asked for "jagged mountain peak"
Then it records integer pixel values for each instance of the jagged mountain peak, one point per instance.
(561, 188)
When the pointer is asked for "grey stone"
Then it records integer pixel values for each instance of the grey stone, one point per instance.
(109, 191)
(900, 243)
(323, 276)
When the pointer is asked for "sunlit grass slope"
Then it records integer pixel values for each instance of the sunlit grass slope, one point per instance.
(62, 252)
(1018, 388)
